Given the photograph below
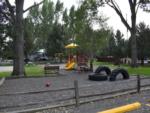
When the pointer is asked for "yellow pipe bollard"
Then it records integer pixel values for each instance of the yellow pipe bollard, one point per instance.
(123, 109)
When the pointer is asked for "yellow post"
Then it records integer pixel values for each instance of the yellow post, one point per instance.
(123, 109)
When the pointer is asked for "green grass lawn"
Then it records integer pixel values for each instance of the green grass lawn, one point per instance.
(5, 74)
(32, 70)
(36, 70)
(140, 70)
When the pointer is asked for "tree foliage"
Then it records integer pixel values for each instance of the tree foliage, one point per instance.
(116, 46)
(143, 41)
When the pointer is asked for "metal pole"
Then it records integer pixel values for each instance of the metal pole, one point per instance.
(76, 93)
(124, 109)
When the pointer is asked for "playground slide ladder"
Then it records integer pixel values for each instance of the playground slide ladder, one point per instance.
(124, 109)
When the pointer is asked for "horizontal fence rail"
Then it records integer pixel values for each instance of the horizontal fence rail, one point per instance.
(36, 92)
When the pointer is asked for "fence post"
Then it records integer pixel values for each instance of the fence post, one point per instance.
(76, 93)
(138, 83)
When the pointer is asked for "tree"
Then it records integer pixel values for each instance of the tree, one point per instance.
(116, 46)
(18, 68)
(143, 41)
(55, 40)
(2, 38)
(119, 45)
(46, 15)
(15, 16)
(72, 22)
(90, 40)
(134, 5)
(66, 30)
(47, 30)
(111, 46)
(58, 10)
(29, 37)
(145, 5)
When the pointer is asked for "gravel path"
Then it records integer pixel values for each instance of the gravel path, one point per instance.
(98, 106)
(12, 86)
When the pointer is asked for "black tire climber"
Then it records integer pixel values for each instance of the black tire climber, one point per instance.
(98, 76)
(118, 71)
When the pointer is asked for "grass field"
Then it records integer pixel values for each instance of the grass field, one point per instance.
(139, 70)
(35, 70)
(32, 70)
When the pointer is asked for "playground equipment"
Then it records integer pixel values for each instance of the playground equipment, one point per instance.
(106, 69)
(82, 63)
(71, 60)
(111, 75)
(124, 109)
(98, 76)
(80, 60)
(72, 45)
(118, 71)
(70, 64)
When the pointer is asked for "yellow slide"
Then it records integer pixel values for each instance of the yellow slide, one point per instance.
(67, 63)
(70, 66)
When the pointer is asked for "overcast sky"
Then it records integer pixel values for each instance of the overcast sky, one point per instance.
(114, 21)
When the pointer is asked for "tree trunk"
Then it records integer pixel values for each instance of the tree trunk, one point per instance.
(142, 61)
(133, 49)
(18, 67)
(133, 37)
(91, 55)
(91, 64)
